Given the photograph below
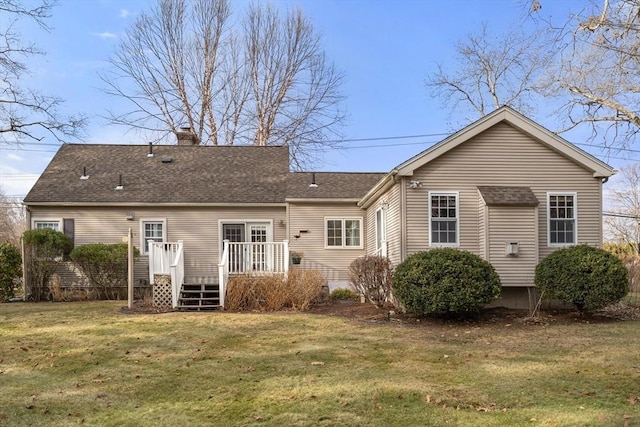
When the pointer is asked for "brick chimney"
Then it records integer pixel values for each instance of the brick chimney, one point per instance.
(186, 137)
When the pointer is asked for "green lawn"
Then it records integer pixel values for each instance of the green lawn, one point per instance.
(89, 364)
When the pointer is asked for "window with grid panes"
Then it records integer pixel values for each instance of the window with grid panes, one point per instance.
(152, 230)
(562, 218)
(444, 219)
(343, 232)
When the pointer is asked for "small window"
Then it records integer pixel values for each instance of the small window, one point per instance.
(152, 229)
(42, 224)
(381, 231)
(443, 208)
(343, 232)
(562, 219)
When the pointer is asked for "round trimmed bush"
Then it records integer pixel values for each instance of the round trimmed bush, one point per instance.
(445, 281)
(588, 277)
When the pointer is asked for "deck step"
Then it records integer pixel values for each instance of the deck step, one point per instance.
(199, 297)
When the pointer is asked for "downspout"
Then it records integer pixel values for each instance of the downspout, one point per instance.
(604, 181)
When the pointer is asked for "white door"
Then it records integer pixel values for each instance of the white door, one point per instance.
(381, 232)
(259, 233)
(235, 233)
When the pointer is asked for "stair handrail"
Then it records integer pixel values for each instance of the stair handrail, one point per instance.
(177, 273)
(223, 271)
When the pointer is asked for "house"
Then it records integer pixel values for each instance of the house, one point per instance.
(504, 188)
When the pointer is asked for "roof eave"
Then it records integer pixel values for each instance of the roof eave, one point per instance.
(383, 185)
(151, 204)
(320, 200)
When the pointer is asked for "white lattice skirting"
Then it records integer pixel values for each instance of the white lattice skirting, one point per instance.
(162, 291)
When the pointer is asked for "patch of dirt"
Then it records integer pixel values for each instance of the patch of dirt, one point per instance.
(145, 307)
(498, 316)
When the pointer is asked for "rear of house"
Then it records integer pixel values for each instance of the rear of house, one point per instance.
(503, 188)
(198, 195)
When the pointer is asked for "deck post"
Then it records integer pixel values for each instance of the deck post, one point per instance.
(130, 268)
(151, 266)
(285, 257)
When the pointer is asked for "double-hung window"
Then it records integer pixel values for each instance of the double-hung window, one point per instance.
(343, 233)
(152, 229)
(562, 219)
(444, 219)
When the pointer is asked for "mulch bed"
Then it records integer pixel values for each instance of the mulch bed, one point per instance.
(500, 316)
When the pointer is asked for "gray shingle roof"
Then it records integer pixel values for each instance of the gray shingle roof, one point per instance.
(196, 174)
(508, 196)
(331, 185)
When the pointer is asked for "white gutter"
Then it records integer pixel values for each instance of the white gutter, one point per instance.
(383, 185)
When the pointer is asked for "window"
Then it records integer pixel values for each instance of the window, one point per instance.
(444, 219)
(47, 223)
(381, 231)
(152, 229)
(343, 232)
(562, 217)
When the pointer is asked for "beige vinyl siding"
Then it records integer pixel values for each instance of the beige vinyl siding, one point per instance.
(394, 224)
(513, 224)
(501, 156)
(482, 228)
(333, 262)
(370, 234)
(197, 227)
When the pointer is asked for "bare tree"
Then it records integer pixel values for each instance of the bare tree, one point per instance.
(263, 81)
(597, 73)
(622, 223)
(12, 218)
(24, 112)
(491, 71)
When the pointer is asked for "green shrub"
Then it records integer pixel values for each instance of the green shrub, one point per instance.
(105, 266)
(445, 281)
(590, 278)
(371, 277)
(44, 251)
(10, 270)
(342, 294)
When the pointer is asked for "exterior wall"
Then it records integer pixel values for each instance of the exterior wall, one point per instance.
(501, 156)
(394, 224)
(483, 213)
(198, 227)
(516, 224)
(334, 263)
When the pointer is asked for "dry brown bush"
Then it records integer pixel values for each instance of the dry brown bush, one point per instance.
(308, 286)
(60, 294)
(271, 293)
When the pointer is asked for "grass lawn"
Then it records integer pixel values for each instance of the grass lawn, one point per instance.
(87, 363)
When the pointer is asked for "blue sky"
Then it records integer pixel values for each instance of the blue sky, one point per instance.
(385, 48)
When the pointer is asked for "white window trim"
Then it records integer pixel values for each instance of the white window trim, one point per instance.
(58, 220)
(343, 219)
(445, 193)
(383, 227)
(575, 218)
(142, 239)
